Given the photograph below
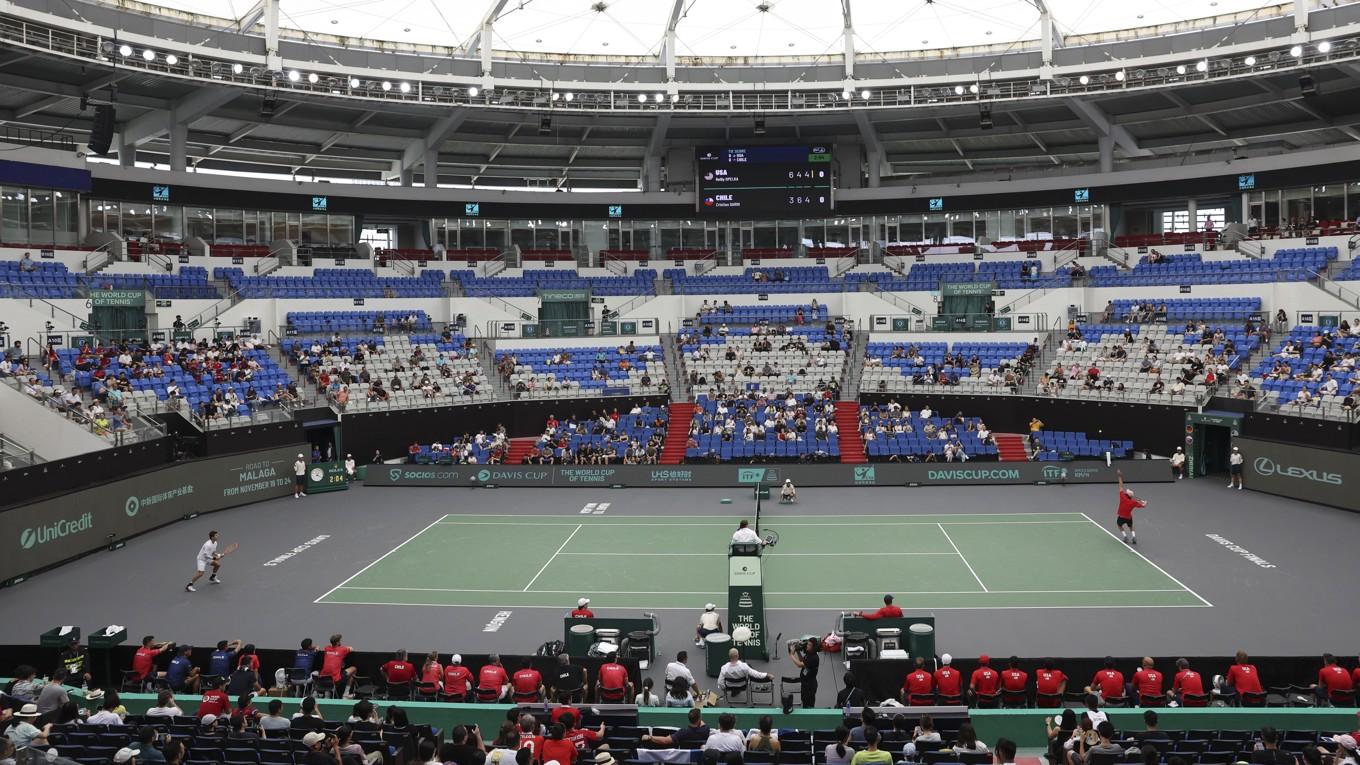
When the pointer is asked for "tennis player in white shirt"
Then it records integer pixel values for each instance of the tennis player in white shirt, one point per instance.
(207, 556)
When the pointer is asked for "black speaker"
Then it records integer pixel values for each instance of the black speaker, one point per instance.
(101, 135)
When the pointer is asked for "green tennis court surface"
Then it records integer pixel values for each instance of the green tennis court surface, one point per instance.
(991, 560)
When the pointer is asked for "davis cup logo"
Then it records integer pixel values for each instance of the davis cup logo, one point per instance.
(484, 475)
(132, 506)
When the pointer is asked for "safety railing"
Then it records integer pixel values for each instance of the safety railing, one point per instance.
(14, 454)
(983, 322)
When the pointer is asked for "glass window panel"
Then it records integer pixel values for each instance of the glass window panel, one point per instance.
(522, 234)
(250, 226)
(1329, 202)
(936, 229)
(1298, 205)
(765, 236)
(342, 229)
(65, 223)
(168, 222)
(313, 230)
(837, 233)
(643, 234)
(1065, 223)
(97, 220)
(496, 234)
(14, 212)
(1010, 226)
(671, 235)
(199, 222)
(1272, 200)
(1039, 223)
(1210, 218)
(982, 227)
(136, 220)
(471, 234)
(40, 216)
(229, 229)
(787, 233)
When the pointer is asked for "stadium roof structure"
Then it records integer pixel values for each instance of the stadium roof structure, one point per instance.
(582, 94)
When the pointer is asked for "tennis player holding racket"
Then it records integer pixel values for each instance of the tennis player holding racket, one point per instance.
(208, 556)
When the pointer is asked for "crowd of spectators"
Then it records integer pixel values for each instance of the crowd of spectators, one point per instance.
(603, 438)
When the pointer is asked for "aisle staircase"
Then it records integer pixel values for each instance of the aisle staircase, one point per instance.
(519, 447)
(852, 444)
(677, 433)
(1010, 447)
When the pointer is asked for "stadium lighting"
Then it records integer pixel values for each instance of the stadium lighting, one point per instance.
(313, 78)
(354, 82)
(659, 97)
(556, 95)
(294, 75)
(1180, 69)
(1084, 80)
(237, 68)
(1324, 47)
(406, 87)
(149, 55)
(569, 97)
(472, 92)
(386, 85)
(642, 98)
(1249, 61)
(1202, 66)
(1119, 75)
(958, 90)
(125, 50)
(1296, 51)
(845, 95)
(864, 94)
(171, 59)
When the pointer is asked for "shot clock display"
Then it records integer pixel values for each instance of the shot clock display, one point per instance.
(754, 181)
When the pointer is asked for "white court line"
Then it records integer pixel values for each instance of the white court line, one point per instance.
(560, 609)
(960, 554)
(553, 558)
(681, 517)
(784, 594)
(724, 555)
(380, 559)
(627, 524)
(1145, 560)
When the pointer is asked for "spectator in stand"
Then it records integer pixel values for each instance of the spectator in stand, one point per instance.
(307, 717)
(527, 683)
(493, 682)
(333, 665)
(1005, 752)
(274, 722)
(967, 741)
(1013, 679)
(1108, 682)
(1242, 678)
(948, 681)
(1147, 682)
(918, 689)
(725, 739)
(888, 611)
(984, 682)
(1186, 681)
(1105, 748)
(557, 747)
(215, 702)
(165, 706)
(841, 752)
(582, 610)
(23, 733)
(764, 738)
(53, 695)
(871, 754)
(1049, 681)
(1270, 753)
(612, 684)
(1333, 683)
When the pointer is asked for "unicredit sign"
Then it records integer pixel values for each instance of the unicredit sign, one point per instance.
(1267, 467)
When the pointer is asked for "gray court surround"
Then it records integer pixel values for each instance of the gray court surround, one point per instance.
(1215, 540)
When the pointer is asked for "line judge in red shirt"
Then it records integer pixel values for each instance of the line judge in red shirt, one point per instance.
(581, 611)
(888, 611)
(1124, 517)
(526, 685)
(918, 689)
(1108, 682)
(1148, 681)
(1243, 677)
(948, 681)
(985, 680)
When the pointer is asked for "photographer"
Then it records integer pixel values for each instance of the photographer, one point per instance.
(803, 653)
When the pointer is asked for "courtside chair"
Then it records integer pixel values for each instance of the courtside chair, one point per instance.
(1048, 700)
(762, 691)
(737, 693)
(299, 681)
(986, 700)
(1145, 700)
(1014, 700)
(324, 687)
(975, 758)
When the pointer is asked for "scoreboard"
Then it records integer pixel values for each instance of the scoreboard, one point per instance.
(764, 181)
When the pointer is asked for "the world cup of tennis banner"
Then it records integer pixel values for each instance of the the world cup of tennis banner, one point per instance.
(746, 605)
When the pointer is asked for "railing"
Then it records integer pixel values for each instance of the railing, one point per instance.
(15, 455)
(159, 260)
(215, 310)
(97, 259)
(1025, 389)
(266, 266)
(1020, 322)
(633, 326)
(406, 267)
(614, 265)
(16, 291)
(54, 138)
(893, 298)
(631, 305)
(76, 416)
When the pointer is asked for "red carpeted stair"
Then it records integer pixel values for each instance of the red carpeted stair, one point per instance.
(677, 433)
(519, 447)
(852, 444)
(1010, 447)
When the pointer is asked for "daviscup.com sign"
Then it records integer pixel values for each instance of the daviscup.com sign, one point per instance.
(1302, 472)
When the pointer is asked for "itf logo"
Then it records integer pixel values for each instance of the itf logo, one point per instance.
(757, 475)
(1054, 473)
(865, 474)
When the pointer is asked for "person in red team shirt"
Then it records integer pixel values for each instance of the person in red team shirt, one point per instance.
(457, 679)
(1124, 517)
(582, 611)
(918, 689)
(144, 661)
(948, 681)
(1108, 682)
(1333, 679)
(1242, 677)
(215, 702)
(582, 738)
(612, 683)
(398, 670)
(1014, 681)
(888, 611)
(984, 681)
(1186, 681)
(493, 682)
(333, 663)
(1147, 681)
(1050, 683)
(526, 686)
(431, 673)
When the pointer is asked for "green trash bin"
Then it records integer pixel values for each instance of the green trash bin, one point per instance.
(716, 646)
(579, 639)
(921, 640)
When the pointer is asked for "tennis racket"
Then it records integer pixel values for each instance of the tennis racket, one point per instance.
(770, 536)
(231, 548)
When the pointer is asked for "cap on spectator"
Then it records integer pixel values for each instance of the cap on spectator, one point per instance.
(583, 602)
(300, 456)
(1344, 741)
(207, 720)
(313, 738)
(946, 658)
(124, 754)
(709, 606)
(457, 658)
(604, 758)
(28, 710)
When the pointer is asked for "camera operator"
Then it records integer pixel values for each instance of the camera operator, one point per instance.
(803, 653)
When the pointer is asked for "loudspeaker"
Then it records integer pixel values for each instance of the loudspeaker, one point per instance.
(101, 135)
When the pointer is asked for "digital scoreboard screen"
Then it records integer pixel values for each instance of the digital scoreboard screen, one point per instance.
(764, 181)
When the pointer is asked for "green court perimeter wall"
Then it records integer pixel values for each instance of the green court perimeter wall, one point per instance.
(1023, 726)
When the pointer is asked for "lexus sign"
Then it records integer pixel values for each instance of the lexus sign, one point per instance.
(1302, 472)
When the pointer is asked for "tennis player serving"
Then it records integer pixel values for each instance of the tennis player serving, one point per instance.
(1127, 504)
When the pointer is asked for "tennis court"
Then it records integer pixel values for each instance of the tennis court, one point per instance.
(941, 562)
